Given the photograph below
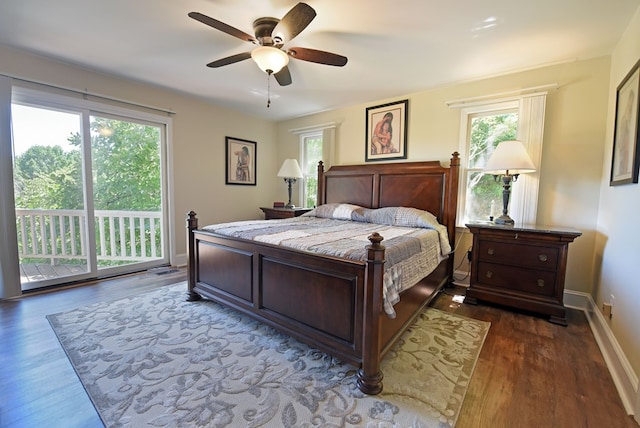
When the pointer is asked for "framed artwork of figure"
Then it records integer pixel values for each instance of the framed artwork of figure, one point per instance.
(386, 131)
(240, 161)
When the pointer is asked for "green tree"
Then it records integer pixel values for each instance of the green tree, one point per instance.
(126, 177)
(126, 170)
(313, 154)
(487, 132)
(48, 178)
(126, 165)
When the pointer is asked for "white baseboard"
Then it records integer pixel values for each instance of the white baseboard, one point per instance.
(464, 278)
(181, 260)
(621, 371)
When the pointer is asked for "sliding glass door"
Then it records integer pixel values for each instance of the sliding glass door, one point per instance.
(49, 195)
(127, 191)
(89, 191)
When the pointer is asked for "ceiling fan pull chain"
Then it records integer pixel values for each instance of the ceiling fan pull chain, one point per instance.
(268, 90)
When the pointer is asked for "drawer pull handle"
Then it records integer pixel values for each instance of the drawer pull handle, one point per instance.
(489, 274)
(490, 251)
(541, 283)
(543, 257)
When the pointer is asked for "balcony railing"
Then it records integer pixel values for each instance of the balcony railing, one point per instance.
(121, 236)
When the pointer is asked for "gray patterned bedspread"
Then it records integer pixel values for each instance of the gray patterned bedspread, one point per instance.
(415, 243)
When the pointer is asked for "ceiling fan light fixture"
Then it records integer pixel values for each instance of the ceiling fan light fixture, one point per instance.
(270, 59)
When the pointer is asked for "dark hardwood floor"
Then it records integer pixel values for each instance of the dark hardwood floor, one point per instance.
(531, 373)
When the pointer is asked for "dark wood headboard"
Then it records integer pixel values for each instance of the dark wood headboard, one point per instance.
(427, 186)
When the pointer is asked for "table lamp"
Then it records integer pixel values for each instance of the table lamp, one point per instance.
(290, 171)
(508, 161)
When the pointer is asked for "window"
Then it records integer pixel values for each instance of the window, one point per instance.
(483, 127)
(311, 154)
(486, 130)
(316, 144)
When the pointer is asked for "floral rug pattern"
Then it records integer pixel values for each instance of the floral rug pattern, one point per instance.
(156, 360)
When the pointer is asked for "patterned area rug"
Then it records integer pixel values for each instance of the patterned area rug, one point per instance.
(155, 360)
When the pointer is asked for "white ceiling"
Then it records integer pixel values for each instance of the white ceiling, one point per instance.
(394, 47)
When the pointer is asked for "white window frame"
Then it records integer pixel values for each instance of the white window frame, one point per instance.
(304, 137)
(523, 204)
(328, 133)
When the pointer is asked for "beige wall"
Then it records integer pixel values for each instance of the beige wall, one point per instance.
(617, 252)
(572, 156)
(197, 141)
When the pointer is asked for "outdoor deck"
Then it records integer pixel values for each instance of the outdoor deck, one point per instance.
(43, 272)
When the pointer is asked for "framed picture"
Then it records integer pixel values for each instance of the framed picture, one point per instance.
(241, 161)
(386, 132)
(626, 157)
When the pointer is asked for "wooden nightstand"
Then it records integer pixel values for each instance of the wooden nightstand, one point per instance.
(273, 213)
(520, 267)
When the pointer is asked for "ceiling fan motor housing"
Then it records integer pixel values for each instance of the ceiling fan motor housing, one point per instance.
(262, 28)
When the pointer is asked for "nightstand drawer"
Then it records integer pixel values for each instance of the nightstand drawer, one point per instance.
(530, 281)
(535, 256)
(273, 214)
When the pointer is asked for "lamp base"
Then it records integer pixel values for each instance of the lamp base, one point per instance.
(289, 182)
(504, 219)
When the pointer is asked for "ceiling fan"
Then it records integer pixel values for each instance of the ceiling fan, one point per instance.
(271, 34)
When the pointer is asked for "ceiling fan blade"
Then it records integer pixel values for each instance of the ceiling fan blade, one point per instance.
(283, 77)
(229, 60)
(225, 28)
(320, 57)
(293, 23)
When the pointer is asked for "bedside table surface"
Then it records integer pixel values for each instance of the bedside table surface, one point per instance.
(285, 209)
(534, 228)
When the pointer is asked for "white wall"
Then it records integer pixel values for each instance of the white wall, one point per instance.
(617, 251)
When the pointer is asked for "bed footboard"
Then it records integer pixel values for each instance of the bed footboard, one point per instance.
(327, 302)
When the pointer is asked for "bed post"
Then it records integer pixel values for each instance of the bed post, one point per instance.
(369, 376)
(451, 208)
(320, 200)
(192, 224)
(452, 195)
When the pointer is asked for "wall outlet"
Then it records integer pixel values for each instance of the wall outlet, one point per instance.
(606, 310)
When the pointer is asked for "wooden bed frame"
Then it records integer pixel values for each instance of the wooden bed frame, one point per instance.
(330, 303)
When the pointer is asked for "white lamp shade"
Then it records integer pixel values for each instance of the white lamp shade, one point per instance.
(290, 169)
(270, 59)
(510, 157)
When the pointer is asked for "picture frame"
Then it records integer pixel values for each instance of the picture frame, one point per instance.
(386, 131)
(241, 161)
(625, 160)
